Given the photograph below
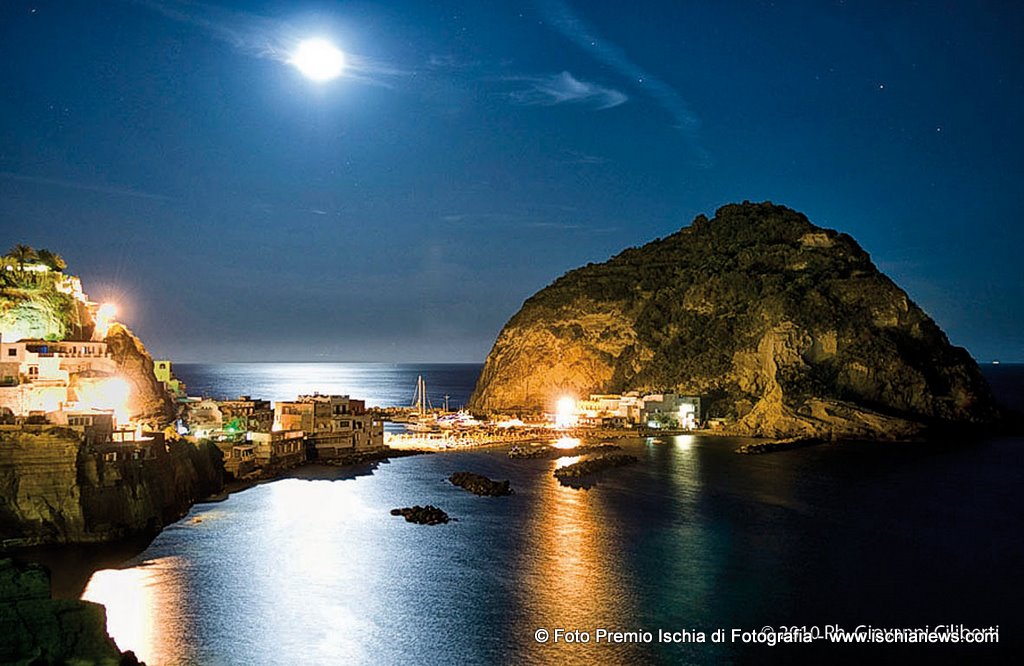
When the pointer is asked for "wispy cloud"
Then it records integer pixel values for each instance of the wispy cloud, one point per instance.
(86, 187)
(576, 157)
(550, 218)
(561, 16)
(554, 225)
(261, 37)
(450, 62)
(564, 88)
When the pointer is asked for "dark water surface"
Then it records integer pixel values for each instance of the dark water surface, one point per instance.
(314, 570)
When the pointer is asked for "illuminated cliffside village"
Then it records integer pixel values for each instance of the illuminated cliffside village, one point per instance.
(77, 384)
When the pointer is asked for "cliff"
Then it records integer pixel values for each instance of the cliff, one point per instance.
(56, 489)
(148, 400)
(786, 328)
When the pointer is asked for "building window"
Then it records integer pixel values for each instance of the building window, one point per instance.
(12, 352)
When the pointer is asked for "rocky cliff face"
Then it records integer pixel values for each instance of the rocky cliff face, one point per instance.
(782, 326)
(55, 489)
(148, 400)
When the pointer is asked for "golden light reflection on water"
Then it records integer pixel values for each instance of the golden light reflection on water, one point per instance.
(565, 461)
(140, 602)
(574, 582)
(566, 443)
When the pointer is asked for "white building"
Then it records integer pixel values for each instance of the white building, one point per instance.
(670, 409)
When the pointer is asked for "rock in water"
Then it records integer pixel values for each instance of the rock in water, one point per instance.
(786, 328)
(480, 485)
(590, 466)
(422, 515)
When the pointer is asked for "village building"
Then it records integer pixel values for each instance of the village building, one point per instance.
(45, 376)
(165, 375)
(658, 410)
(97, 425)
(204, 418)
(278, 449)
(671, 410)
(335, 425)
(247, 414)
(240, 460)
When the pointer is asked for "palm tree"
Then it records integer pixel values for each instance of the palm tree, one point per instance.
(22, 254)
(7, 265)
(52, 259)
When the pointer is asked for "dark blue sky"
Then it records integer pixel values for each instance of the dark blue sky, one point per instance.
(475, 151)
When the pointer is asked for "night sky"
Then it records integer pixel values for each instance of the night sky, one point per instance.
(474, 151)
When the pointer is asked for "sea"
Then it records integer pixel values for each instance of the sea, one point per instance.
(695, 555)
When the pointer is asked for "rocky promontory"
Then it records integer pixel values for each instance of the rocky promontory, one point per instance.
(784, 328)
(74, 484)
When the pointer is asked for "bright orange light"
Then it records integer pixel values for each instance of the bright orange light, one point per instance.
(108, 393)
(565, 412)
(104, 318)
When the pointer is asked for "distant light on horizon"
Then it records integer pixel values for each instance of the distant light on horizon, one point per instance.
(318, 60)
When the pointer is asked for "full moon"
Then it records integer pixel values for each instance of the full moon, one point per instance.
(318, 60)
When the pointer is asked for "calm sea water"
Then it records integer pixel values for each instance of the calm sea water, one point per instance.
(380, 384)
(314, 570)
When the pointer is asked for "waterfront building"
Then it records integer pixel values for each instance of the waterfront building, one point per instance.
(670, 410)
(335, 425)
(280, 448)
(240, 460)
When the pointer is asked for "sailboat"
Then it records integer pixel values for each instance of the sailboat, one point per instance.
(424, 422)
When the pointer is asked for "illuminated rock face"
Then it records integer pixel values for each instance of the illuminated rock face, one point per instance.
(148, 399)
(783, 327)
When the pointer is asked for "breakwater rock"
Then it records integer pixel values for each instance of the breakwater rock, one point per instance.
(37, 629)
(784, 328)
(422, 515)
(549, 452)
(480, 485)
(55, 488)
(787, 444)
(591, 466)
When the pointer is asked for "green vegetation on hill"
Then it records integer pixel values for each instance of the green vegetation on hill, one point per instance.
(31, 305)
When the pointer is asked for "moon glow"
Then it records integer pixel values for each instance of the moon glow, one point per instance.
(318, 60)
